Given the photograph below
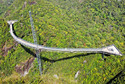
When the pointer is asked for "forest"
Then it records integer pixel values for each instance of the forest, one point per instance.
(62, 24)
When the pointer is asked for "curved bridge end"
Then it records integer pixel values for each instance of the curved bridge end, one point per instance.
(11, 21)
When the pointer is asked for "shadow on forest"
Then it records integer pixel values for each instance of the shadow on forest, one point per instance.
(52, 61)
(120, 74)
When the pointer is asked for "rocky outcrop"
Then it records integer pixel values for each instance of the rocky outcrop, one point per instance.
(24, 5)
(80, 1)
(24, 67)
(32, 2)
(5, 49)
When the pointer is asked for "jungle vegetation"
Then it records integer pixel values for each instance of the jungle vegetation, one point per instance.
(63, 24)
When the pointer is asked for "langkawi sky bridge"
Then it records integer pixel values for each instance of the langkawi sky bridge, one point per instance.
(105, 50)
(109, 49)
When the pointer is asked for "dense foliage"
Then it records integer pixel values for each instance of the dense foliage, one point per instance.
(64, 23)
(4, 4)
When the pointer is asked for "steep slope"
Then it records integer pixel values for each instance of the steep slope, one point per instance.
(64, 24)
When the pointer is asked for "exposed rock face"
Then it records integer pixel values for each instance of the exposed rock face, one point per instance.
(80, 1)
(24, 67)
(5, 49)
(31, 3)
(56, 76)
(24, 5)
(77, 73)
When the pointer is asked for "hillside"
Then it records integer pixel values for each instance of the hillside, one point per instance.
(64, 24)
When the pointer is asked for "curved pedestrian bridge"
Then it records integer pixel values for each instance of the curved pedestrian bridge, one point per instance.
(109, 49)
